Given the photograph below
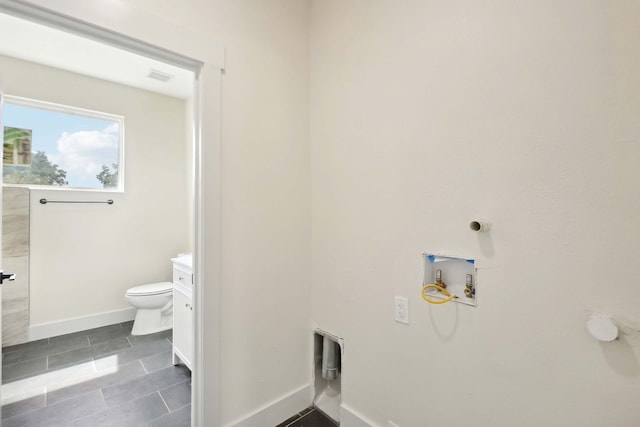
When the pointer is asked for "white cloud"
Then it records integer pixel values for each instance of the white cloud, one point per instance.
(112, 128)
(83, 153)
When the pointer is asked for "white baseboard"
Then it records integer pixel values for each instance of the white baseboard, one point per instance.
(349, 418)
(76, 324)
(278, 411)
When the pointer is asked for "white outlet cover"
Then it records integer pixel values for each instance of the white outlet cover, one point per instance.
(401, 309)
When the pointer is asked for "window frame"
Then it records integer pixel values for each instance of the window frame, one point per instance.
(71, 110)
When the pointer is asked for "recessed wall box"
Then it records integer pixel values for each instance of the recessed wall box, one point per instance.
(327, 361)
(456, 273)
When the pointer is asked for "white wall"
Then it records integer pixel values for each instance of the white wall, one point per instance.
(265, 297)
(84, 257)
(425, 115)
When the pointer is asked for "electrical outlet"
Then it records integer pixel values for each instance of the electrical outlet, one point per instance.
(402, 309)
(392, 424)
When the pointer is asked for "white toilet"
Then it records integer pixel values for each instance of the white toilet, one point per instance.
(155, 307)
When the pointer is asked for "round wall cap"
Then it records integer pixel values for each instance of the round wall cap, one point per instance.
(602, 328)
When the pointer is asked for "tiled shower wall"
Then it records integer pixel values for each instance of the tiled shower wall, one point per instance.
(15, 259)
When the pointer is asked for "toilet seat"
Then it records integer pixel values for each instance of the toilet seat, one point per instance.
(151, 289)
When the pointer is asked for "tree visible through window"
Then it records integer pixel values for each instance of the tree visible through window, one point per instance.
(53, 145)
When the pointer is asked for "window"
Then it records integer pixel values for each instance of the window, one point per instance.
(60, 146)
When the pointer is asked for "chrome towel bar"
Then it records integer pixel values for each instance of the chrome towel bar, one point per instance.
(45, 201)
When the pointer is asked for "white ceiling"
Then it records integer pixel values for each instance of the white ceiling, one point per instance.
(38, 43)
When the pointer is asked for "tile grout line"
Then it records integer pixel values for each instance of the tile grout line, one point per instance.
(180, 408)
(163, 401)
(21, 414)
(103, 399)
(84, 417)
(49, 342)
(47, 355)
(298, 419)
(48, 365)
(46, 396)
(4, 352)
(49, 406)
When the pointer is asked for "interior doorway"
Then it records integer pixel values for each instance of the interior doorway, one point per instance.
(146, 52)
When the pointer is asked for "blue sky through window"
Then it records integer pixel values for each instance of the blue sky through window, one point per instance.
(78, 144)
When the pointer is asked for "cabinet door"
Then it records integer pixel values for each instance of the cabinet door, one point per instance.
(183, 325)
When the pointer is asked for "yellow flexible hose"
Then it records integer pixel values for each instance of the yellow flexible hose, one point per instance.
(441, 289)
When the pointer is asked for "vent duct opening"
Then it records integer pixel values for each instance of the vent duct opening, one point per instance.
(159, 75)
(327, 362)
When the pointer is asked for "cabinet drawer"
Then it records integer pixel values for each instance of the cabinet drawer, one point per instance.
(182, 277)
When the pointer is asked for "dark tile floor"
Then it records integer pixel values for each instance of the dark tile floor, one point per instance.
(310, 417)
(100, 377)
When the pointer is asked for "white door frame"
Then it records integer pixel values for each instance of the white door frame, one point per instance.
(91, 20)
(1, 201)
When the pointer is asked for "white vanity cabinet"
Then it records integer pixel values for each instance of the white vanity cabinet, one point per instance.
(182, 311)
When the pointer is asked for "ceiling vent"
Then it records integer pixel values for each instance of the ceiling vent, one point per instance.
(159, 75)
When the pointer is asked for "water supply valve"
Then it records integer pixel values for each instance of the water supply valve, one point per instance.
(461, 281)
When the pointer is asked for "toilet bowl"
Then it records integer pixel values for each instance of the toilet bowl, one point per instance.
(154, 304)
